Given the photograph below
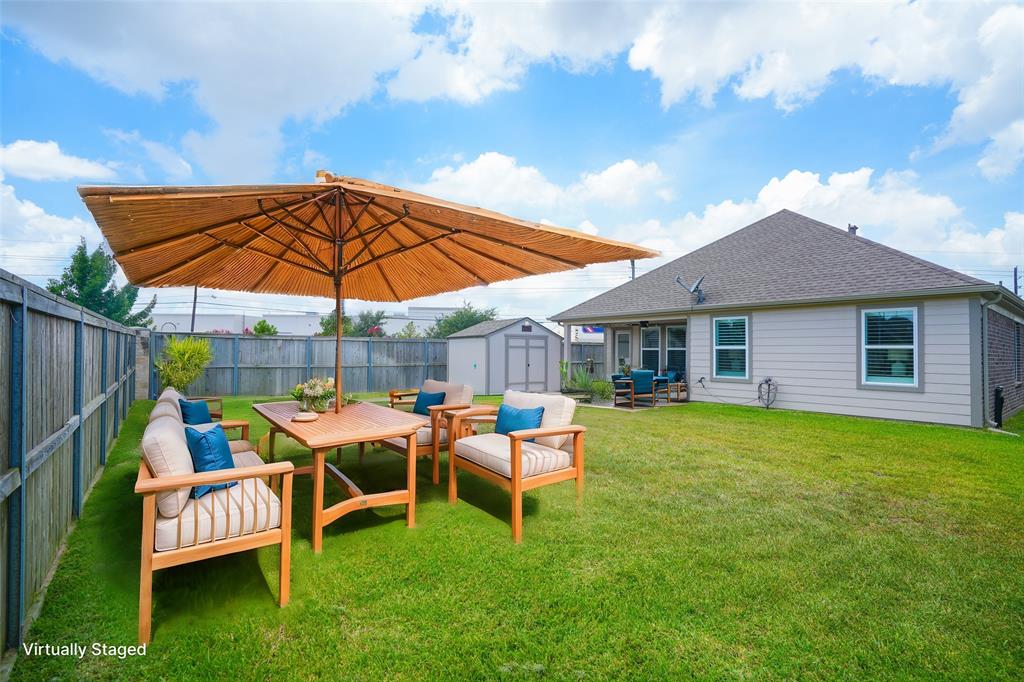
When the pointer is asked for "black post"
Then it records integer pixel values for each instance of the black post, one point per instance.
(195, 296)
(997, 407)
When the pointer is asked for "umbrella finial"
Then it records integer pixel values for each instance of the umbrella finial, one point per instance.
(323, 176)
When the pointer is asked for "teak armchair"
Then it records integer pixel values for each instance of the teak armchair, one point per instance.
(177, 529)
(432, 439)
(511, 461)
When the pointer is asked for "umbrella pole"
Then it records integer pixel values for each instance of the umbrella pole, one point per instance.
(337, 349)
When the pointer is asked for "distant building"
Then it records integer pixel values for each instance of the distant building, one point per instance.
(289, 324)
(236, 323)
(422, 317)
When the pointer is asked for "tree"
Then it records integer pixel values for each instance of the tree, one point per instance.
(369, 323)
(329, 325)
(87, 281)
(264, 328)
(464, 317)
(409, 331)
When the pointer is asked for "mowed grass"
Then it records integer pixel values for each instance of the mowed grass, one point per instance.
(712, 541)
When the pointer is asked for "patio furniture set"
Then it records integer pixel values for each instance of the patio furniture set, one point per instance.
(642, 386)
(190, 516)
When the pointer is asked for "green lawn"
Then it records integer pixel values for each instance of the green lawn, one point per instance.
(712, 541)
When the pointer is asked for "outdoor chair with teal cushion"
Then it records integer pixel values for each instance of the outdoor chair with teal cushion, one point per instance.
(639, 385)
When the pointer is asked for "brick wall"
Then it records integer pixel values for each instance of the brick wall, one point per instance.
(1001, 365)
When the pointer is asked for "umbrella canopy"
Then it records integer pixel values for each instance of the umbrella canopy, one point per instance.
(341, 237)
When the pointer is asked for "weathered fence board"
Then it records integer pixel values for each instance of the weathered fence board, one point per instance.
(272, 365)
(582, 352)
(69, 375)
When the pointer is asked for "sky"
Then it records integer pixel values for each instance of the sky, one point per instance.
(669, 125)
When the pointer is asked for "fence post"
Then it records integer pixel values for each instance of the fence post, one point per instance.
(16, 501)
(369, 364)
(426, 359)
(309, 357)
(76, 446)
(103, 406)
(152, 366)
(126, 348)
(234, 365)
(117, 379)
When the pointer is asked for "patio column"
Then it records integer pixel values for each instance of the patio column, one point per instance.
(567, 344)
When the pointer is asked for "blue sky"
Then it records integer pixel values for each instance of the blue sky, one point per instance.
(639, 122)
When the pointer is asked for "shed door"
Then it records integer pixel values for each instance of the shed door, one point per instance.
(526, 363)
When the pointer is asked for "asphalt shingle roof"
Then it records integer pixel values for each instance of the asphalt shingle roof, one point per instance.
(785, 257)
(484, 328)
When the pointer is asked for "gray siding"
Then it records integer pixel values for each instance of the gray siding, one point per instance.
(813, 353)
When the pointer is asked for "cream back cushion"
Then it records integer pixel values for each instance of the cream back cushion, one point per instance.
(166, 453)
(164, 409)
(171, 396)
(454, 394)
(558, 411)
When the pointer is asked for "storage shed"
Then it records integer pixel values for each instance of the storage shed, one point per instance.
(496, 355)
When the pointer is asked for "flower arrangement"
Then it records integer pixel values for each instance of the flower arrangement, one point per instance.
(315, 394)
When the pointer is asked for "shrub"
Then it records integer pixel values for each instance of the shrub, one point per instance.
(582, 380)
(264, 328)
(184, 361)
(602, 390)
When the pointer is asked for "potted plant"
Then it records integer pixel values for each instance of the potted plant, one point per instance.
(315, 394)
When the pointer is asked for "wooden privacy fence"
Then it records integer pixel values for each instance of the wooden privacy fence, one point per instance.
(272, 365)
(584, 351)
(69, 377)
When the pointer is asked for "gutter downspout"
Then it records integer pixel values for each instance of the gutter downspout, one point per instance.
(985, 418)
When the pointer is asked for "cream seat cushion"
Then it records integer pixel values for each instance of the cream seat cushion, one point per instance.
(454, 394)
(424, 436)
(558, 411)
(253, 506)
(494, 451)
(166, 453)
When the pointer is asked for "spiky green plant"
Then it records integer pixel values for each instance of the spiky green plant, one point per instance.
(183, 361)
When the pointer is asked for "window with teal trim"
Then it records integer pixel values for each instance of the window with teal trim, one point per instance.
(731, 347)
(889, 352)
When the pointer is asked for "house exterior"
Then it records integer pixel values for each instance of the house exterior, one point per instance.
(519, 354)
(842, 324)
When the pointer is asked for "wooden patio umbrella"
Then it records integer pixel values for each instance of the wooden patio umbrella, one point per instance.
(340, 237)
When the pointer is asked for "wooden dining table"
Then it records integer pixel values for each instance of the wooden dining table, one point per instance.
(358, 423)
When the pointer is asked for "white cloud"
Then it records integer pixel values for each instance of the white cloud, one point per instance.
(36, 242)
(1004, 153)
(889, 208)
(35, 160)
(172, 166)
(488, 47)
(991, 105)
(1001, 247)
(499, 182)
(252, 67)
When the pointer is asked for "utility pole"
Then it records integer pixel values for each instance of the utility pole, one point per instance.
(632, 269)
(195, 296)
(1016, 281)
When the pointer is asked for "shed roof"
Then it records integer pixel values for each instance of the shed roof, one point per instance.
(488, 327)
(783, 258)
